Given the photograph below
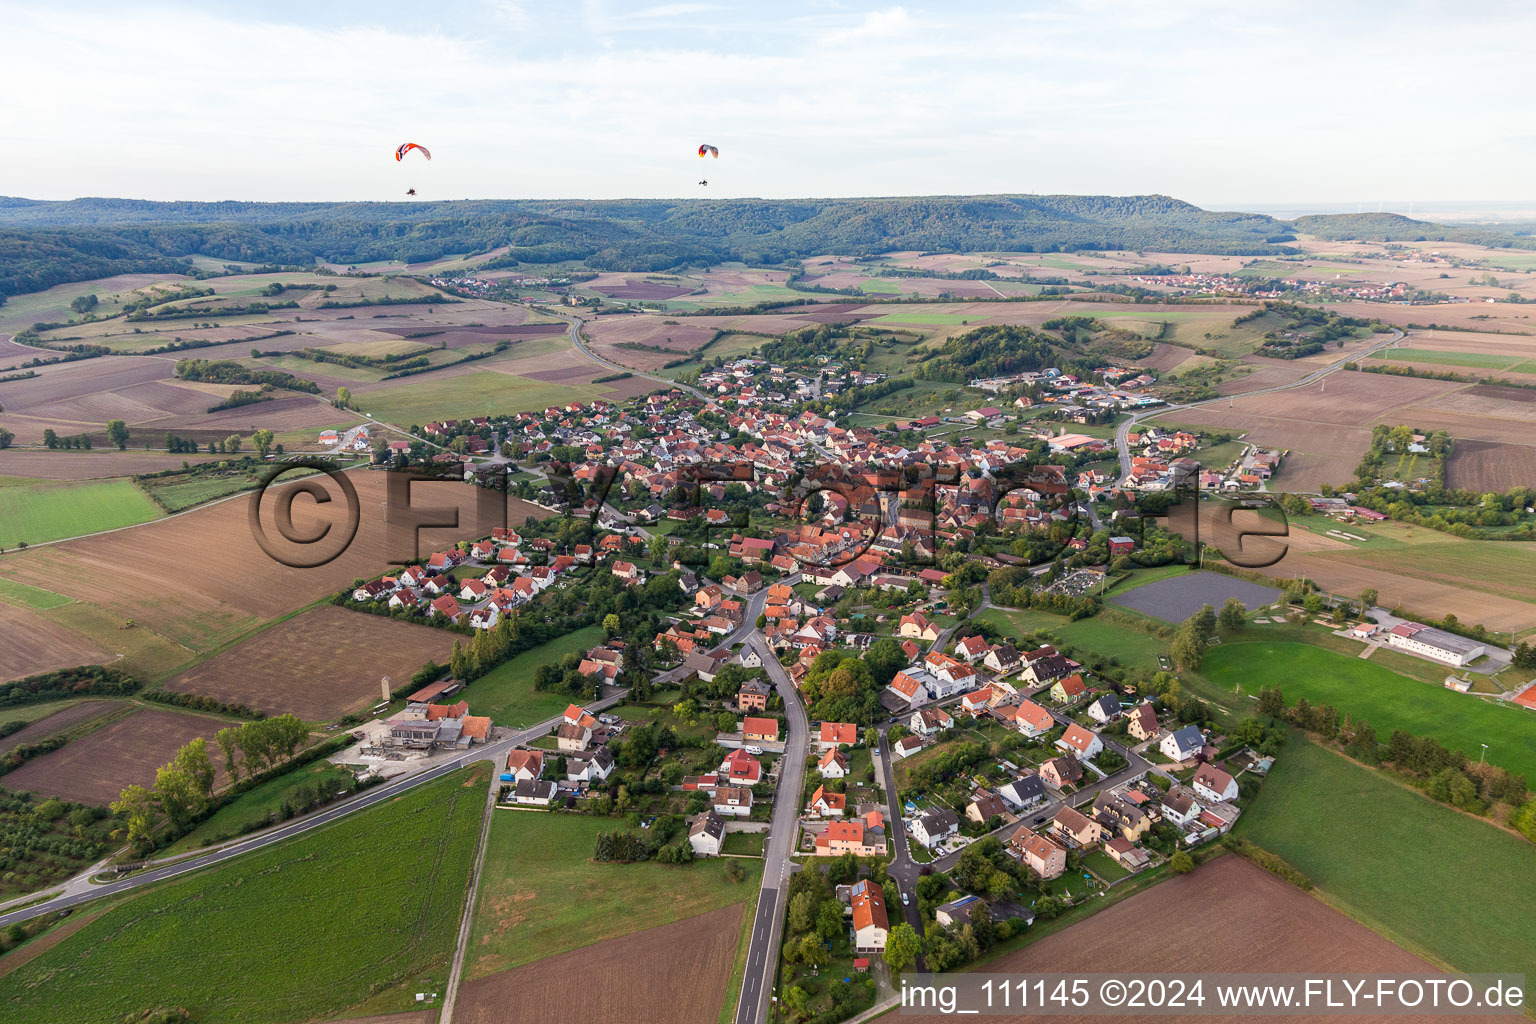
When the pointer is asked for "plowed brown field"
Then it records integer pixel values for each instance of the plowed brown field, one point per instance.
(318, 665)
(675, 974)
(1227, 916)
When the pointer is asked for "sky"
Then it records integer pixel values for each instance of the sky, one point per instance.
(1229, 106)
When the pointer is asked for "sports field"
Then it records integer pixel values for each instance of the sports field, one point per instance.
(542, 894)
(484, 393)
(384, 887)
(506, 693)
(1383, 698)
(1427, 877)
(33, 511)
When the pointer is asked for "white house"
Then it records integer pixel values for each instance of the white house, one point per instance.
(833, 765)
(1105, 708)
(1214, 785)
(933, 828)
(1023, 792)
(706, 835)
(870, 925)
(1182, 744)
(1082, 742)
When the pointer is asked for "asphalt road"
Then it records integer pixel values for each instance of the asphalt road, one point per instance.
(80, 889)
(762, 951)
(1124, 429)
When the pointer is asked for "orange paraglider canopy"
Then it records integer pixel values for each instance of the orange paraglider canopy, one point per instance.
(406, 147)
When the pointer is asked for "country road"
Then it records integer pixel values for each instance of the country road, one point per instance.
(763, 945)
(1122, 432)
(81, 889)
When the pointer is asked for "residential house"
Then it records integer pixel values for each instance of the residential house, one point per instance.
(1105, 709)
(1179, 806)
(753, 695)
(977, 701)
(836, 734)
(957, 913)
(1023, 792)
(447, 608)
(760, 730)
(1182, 744)
(928, 721)
(825, 804)
(1082, 742)
(1069, 688)
(907, 746)
(733, 800)
(537, 792)
(1004, 659)
(1044, 666)
(572, 737)
(1123, 852)
(707, 834)
(916, 626)
(1042, 856)
(971, 648)
(592, 768)
(741, 769)
(1070, 823)
(1143, 722)
(910, 687)
(524, 765)
(833, 765)
(984, 804)
(862, 837)
(1062, 771)
(1213, 785)
(870, 925)
(1029, 718)
(933, 828)
(1117, 814)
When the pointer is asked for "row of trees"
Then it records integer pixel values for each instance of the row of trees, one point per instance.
(183, 789)
(265, 742)
(1442, 774)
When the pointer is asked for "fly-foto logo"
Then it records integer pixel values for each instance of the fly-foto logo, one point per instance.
(827, 517)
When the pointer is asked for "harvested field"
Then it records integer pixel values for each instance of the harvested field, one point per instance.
(607, 336)
(281, 413)
(1417, 595)
(1178, 597)
(633, 289)
(1208, 926)
(675, 973)
(1489, 466)
(94, 768)
(318, 665)
(35, 644)
(58, 722)
(201, 580)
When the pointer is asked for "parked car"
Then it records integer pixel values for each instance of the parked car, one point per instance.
(906, 899)
(753, 750)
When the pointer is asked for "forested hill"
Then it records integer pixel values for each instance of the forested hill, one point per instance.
(44, 243)
(1394, 227)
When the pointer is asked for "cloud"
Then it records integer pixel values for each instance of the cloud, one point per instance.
(1203, 103)
(674, 11)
